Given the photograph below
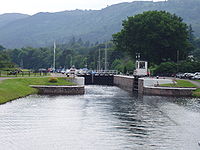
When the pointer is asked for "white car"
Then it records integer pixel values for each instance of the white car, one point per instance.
(196, 77)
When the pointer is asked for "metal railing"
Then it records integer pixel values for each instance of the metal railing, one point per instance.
(22, 73)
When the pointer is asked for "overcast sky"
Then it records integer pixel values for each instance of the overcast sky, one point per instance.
(34, 6)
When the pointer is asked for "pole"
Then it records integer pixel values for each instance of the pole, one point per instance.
(177, 60)
(99, 67)
(105, 57)
(54, 57)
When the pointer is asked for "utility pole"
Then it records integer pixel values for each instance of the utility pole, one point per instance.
(105, 57)
(22, 64)
(177, 59)
(54, 57)
(99, 63)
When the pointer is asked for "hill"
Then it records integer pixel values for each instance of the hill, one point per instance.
(94, 25)
(10, 17)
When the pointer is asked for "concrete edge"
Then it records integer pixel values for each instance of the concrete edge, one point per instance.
(170, 88)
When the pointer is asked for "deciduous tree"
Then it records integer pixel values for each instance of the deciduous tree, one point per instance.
(157, 35)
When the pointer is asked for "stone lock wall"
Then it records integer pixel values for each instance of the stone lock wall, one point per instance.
(60, 90)
(162, 91)
(124, 82)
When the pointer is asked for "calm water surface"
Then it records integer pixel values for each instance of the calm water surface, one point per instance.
(105, 118)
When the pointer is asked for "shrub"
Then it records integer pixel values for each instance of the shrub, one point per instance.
(53, 80)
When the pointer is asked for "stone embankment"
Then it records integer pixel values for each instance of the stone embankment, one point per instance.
(125, 82)
(149, 86)
(60, 90)
(79, 89)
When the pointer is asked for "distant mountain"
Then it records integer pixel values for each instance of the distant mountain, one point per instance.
(94, 25)
(10, 17)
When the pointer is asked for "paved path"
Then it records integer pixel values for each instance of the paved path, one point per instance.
(3, 78)
(195, 82)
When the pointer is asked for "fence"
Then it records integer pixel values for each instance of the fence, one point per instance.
(22, 73)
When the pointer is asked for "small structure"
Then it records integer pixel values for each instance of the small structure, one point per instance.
(141, 68)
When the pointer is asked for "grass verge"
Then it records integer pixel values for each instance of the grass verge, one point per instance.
(196, 93)
(180, 83)
(11, 89)
(184, 83)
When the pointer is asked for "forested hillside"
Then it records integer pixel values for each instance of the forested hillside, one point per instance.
(94, 25)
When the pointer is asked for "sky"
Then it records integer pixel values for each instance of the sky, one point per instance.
(34, 6)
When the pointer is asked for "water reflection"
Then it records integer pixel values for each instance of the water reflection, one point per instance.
(104, 118)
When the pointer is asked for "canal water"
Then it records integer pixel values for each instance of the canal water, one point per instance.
(105, 118)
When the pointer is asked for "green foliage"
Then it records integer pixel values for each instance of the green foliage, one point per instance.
(196, 93)
(196, 52)
(166, 68)
(123, 66)
(170, 68)
(2, 48)
(5, 61)
(53, 80)
(157, 35)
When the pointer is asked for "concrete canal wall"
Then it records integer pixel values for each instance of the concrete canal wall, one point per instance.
(150, 86)
(79, 89)
(167, 91)
(124, 82)
(60, 90)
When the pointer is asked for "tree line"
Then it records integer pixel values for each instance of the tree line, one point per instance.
(75, 52)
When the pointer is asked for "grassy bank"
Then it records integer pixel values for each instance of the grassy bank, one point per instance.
(196, 93)
(11, 89)
(180, 83)
(184, 83)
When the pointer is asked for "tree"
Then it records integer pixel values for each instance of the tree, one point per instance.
(157, 35)
(2, 48)
(5, 61)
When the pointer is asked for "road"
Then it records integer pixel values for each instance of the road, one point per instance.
(3, 78)
(195, 82)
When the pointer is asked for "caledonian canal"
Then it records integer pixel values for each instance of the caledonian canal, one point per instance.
(105, 118)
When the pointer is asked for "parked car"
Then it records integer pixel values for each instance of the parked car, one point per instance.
(196, 77)
(189, 75)
(12, 73)
(63, 71)
(179, 75)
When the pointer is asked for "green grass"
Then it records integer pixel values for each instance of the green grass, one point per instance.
(11, 89)
(180, 83)
(196, 93)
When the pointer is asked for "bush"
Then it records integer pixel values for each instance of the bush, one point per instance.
(53, 80)
(166, 69)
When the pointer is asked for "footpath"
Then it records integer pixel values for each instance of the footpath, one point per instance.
(195, 82)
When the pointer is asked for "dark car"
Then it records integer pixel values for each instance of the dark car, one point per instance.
(12, 73)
